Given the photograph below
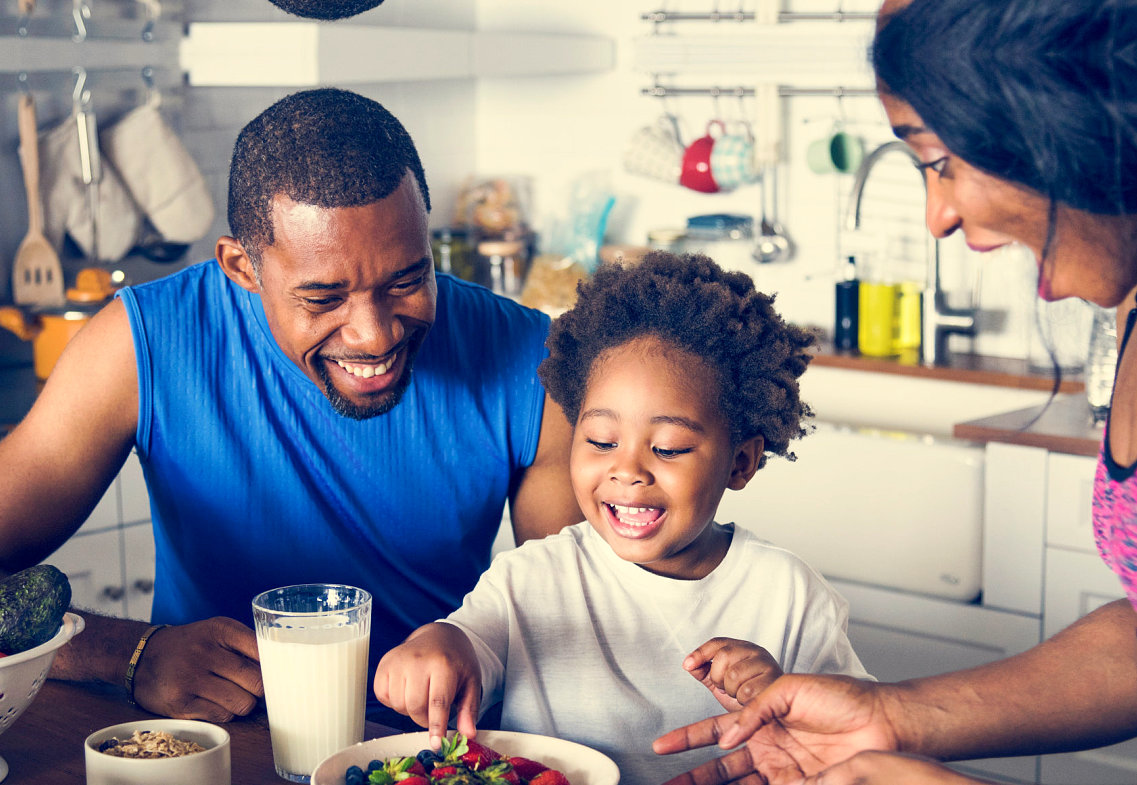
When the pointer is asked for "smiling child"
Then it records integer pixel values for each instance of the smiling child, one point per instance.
(679, 379)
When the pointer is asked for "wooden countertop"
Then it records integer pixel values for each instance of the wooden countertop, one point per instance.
(45, 743)
(1064, 425)
(972, 368)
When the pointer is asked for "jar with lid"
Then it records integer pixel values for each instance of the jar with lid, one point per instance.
(501, 266)
(452, 253)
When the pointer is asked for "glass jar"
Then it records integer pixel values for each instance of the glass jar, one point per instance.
(1101, 362)
(501, 266)
(452, 253)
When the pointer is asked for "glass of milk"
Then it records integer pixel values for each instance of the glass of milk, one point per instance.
(313, 641)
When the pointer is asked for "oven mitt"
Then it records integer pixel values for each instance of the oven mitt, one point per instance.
(66, 203)
(160, 174)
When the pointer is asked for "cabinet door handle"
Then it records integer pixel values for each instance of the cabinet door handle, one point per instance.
(143, 585)
(112, 593)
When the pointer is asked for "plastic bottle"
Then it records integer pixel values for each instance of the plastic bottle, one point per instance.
(847, 298)
(1101, 362)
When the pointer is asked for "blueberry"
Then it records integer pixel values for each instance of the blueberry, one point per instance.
(354, 776)
(429, 759)
(374, 765)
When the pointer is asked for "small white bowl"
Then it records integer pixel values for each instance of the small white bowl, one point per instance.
(580, 764)
(211, 767)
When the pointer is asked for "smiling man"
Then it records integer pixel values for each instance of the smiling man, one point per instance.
(314, 405)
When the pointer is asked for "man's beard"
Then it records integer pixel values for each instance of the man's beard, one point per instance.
(384, 402)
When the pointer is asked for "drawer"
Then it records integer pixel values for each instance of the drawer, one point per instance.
(1069, 495)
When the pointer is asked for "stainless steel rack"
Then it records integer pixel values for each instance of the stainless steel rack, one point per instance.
(660, 17)
(660, 91)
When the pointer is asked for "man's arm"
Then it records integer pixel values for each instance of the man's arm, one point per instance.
(543, 502)
(65, 453)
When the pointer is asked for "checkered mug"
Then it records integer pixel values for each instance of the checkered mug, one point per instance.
(733, 161)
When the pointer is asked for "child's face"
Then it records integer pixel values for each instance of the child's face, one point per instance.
(651, 456)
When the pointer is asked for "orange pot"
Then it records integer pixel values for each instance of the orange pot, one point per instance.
(49, 329)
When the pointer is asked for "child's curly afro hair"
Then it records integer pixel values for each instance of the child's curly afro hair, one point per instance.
(692, 303)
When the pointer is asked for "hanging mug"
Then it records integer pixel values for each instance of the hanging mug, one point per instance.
(838, 151)
(696, 173)
(733, 162)
(655, 151)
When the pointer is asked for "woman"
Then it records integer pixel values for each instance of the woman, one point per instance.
(1024, 116)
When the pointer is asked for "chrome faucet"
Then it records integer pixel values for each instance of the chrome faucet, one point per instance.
(938, 320)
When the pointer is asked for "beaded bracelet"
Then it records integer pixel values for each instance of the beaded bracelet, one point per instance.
(134, 658)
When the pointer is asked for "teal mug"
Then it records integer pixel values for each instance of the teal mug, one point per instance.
(839, 151)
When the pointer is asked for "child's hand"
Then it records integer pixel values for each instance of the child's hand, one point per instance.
(733, 670)
(431, 671)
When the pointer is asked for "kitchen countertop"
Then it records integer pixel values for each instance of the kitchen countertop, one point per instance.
(1063, 425)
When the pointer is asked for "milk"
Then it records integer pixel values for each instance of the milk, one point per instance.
(315, 690)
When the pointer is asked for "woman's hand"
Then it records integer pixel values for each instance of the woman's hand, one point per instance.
(431, 671)
(889, 768)
(798, 727)
(733, 670)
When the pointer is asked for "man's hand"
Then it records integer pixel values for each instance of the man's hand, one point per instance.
(434, 669)
(208, 670)
(799, 726)
(733, 670)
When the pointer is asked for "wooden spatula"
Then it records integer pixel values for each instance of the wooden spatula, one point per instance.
(37, 278)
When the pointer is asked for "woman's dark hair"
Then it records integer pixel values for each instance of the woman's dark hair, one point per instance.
(1042, 93)
(695, 305)
(326, 9)
(325, 147)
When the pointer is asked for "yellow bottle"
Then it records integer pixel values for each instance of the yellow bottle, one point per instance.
(878, 319)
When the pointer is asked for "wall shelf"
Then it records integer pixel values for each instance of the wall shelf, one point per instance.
(302, 54)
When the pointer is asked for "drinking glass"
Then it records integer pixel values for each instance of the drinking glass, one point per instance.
(313, 641)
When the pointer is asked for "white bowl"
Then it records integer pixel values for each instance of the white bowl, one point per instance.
(22, 675)
(580, 764)
(211, 767)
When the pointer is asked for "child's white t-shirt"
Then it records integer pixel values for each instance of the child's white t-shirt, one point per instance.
(588, 647)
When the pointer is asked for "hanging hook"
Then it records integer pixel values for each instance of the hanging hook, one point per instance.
(22, 81)
(26, 9)
(80, 13)
(80, 95)
(153, 14)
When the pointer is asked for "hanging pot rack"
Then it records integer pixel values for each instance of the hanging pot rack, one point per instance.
(659, 91)
(660, 17)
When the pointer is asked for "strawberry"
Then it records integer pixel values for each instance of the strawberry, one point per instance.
(478, 756)
(527, 769)
(416, 769)
(441, 772)
(500, 772)
(549, 777)
(415, 779)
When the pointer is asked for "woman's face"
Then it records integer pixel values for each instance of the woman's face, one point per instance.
(1091, 257)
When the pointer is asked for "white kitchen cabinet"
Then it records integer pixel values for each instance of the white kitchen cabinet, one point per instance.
(109, 561)
(94, 567)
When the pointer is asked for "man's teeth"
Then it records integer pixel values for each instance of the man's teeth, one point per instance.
(366, 371)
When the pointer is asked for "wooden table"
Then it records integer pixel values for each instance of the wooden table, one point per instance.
(45, 744)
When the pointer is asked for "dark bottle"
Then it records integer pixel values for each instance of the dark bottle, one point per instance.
(847, 296)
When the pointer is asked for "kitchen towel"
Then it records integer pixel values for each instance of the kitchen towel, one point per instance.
(67, 204)
(160, 174)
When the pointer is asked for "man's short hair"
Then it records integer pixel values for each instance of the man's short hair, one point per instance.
(325, 147)
(326, 9)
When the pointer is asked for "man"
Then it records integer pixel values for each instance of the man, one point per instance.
(284, 437)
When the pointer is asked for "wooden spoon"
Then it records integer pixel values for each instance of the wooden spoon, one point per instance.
(37, 277)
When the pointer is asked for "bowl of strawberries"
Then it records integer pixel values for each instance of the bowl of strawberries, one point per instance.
(496, 758)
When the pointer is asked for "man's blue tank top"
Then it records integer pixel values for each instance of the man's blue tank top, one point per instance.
(255, 482)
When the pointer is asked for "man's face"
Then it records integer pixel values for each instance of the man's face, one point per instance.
(349, 293)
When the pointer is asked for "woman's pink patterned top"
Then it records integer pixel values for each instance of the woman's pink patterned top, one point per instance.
(1115, 506)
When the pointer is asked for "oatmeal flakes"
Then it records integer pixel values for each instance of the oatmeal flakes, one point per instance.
(150, 744)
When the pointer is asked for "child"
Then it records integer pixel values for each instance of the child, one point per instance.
(679, 378)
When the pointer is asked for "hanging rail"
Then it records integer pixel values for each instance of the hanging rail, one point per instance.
(658, 91)
(62, 80)
(659, 17)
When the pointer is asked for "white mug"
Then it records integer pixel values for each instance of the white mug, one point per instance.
(655, 151)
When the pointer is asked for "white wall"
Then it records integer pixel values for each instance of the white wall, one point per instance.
(557, 129)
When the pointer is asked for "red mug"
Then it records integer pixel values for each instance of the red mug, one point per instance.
(696, 173)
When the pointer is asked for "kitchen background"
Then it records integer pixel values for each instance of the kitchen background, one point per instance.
(951, 551)
(546, 95)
